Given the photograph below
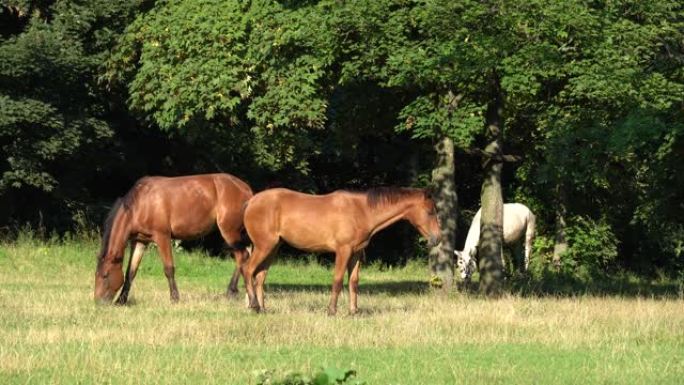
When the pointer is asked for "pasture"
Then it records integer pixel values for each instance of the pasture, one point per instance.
(52, 332)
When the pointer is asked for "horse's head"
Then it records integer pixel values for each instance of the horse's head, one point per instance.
(423, 216)
(466, 263)
(108, 280)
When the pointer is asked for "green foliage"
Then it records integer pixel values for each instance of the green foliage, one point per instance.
(327, 376)
(41, 120)
(53, 116)
(425, 118)
(242, 67)
(57, 129)
(605, 120)
(187, 60)
(592, 246)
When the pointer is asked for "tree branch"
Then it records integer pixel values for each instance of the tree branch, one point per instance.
(493, 156)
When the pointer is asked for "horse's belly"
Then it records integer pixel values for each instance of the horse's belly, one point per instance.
(512, 236)
(307, 238)
(186, 226)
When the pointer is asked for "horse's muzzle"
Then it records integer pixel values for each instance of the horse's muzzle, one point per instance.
(104, 299)
(433, 241)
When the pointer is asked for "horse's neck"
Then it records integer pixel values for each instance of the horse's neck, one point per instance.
(386, 214)
(473, 234)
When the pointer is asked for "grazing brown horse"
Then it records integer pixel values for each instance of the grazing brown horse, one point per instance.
(342, 222)
(158, 209)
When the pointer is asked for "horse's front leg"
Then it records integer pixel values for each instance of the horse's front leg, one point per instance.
(342, 256)
(137, 250)
(353, 269)
(164, 243)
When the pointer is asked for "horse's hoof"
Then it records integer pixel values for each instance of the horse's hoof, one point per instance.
(121, 301)
(332, 312)
(353, 312)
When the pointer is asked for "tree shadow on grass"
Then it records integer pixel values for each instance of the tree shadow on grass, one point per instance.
(550, 283)
(392, 288)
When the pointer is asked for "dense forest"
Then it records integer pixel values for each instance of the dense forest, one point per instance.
(576, 108)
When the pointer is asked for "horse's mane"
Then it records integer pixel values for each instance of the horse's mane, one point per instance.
(125, 202)
(107, 229)
(388, 195)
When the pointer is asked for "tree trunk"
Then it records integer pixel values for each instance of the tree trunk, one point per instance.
(442, 255)
(490, 247)
(560, 241)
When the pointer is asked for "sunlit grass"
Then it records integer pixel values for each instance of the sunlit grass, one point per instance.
(51, 331)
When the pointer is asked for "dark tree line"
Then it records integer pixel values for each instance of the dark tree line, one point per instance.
(586, 98)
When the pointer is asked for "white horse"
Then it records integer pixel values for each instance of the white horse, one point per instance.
(518, 221)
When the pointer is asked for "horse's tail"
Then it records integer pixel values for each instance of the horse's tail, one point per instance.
(529, 237)
(244, 208)
(116, 225)
(245, 241)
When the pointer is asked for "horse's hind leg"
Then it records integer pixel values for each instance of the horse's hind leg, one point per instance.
(232, 235)
(164, 243)
(137, 250)
(240, 258)
(517, 256)
(257, 264)
(261, 278)
(529, 238)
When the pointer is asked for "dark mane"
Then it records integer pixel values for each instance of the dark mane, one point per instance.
(387, 195)
(107, 229)
(125, 202)
(131, 196)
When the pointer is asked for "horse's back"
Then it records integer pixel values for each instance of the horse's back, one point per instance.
(186, 206)
(296, 199)
(294, 203)
(305, 221)
(206, 186)
(516, 219)
(518, 212)
(233, 184)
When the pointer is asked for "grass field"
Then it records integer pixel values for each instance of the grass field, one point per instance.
(51, 332)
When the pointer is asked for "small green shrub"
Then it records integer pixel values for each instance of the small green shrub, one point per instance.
(327, 376)
(592, 246)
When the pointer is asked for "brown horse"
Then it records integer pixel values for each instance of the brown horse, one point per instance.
(158, 209)
(342, 222)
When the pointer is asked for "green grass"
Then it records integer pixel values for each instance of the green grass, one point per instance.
(52, 332)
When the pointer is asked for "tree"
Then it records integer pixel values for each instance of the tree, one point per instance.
(297, 86)
(617, 82)
(53, 115)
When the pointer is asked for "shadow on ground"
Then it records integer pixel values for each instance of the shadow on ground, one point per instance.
(560, 284)
(546, 284)
(393, 288)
